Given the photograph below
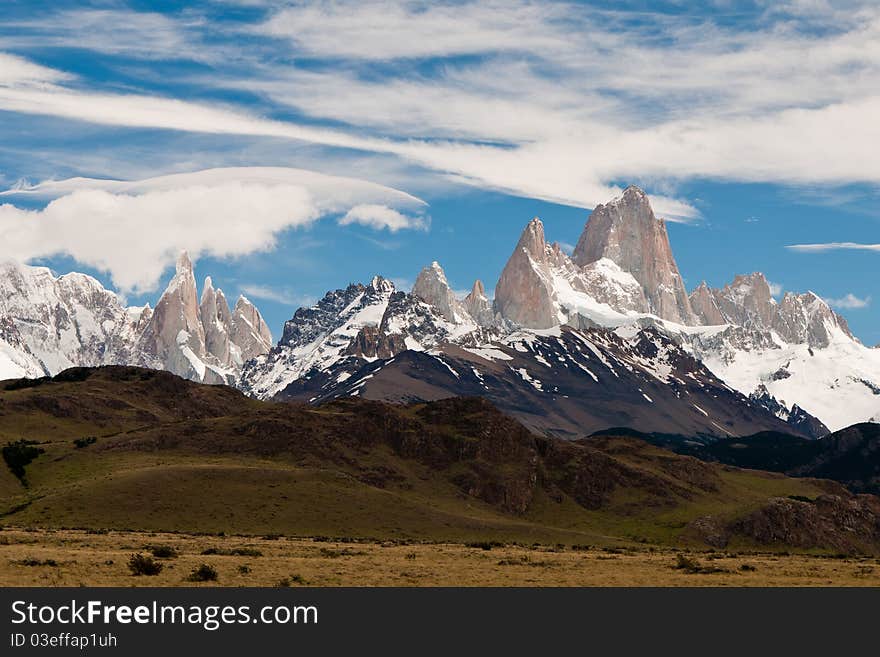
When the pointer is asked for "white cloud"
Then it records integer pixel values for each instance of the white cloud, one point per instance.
(775, 288)
(146, 35)
(849, 301)
(19, 71)
(133, 230)
(557, 101)
(381, 216)
(392, 30)
(833, 246)
(276, 294)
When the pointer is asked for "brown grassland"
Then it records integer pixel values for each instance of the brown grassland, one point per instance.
(77, 557)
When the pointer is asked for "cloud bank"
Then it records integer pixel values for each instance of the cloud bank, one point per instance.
(133, 230)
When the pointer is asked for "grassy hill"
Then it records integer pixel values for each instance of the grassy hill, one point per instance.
(171, 455)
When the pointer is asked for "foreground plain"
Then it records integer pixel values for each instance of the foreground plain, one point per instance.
(75, 558)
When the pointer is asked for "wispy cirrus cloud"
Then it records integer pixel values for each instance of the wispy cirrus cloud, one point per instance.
(849, 301)
(833, 246)
(557, 101)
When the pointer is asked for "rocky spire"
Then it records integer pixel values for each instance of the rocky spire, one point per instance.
(248, 331)
(175, 336)
(748, 302)
(478, 305)
(524, 293)
(705, 306)
(215, 321)
(432, 287)
(626, 232)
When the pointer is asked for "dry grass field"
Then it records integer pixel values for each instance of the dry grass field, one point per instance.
(75, 558)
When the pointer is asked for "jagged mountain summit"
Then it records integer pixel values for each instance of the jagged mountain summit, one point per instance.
(541, 287)
(201, 340)
(564, 381)
(797, 349)
(358, 324)
(48, 324)
(626, 232)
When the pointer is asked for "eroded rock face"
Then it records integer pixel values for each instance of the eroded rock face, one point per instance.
(541, 287)
(524, 293)
(626, 232)
(215, 321)
(705, 306)
(203, 340)
(51, 323)
(248, 332)
(432, 287)
(807, 319)
(842, 522)
(748, 304)
(175, 338)
(478, 305)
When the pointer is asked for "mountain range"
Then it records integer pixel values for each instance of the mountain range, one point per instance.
(571, 344)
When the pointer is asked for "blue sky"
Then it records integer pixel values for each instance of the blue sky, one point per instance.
(446, 127)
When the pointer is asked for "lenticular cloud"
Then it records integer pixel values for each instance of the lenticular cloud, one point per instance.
(134, 229)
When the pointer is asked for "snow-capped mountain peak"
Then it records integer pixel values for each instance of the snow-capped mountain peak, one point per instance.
(50, 323)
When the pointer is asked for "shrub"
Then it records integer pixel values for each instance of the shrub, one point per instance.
(37, 562)
(694, 567)
(234, 552)
(343, 552)
(19, 454)
(483, 545)
(140, 564)
(204, 573)
(163, 551)
(293, 579)
(747, 568)
(244, 570)
(79, 443)
(686, 563)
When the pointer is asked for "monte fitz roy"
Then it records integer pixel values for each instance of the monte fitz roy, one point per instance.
(571, 344)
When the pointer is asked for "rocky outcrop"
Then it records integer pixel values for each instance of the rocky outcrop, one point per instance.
(319, 336)
(626, 232)
(837, 522)
(540, 287)
(796, 417)
(175, 337)
(748, 303)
